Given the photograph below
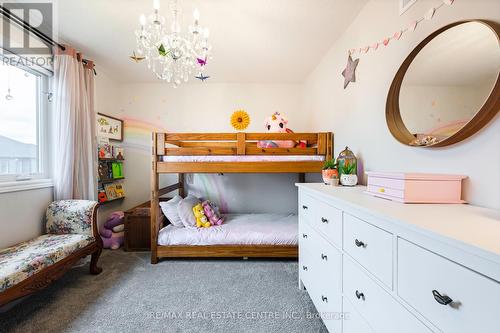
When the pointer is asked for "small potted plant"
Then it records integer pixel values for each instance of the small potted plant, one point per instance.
(330, 173)
(348, 175)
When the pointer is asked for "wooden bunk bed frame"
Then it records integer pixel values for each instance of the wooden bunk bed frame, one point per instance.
(204, 144)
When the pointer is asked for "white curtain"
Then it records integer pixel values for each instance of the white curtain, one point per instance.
(74, 140)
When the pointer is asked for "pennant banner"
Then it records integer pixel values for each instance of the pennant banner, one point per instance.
(412, 26)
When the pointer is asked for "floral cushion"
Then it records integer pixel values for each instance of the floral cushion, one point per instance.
(70, 217)
(23, 260)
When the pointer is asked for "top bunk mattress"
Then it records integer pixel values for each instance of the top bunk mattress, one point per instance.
(244, 158)
(238, 229)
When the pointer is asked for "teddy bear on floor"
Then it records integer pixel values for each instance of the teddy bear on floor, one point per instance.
(277, 123)
(212, 213)
(201, 219)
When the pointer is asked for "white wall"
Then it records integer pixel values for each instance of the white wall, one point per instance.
(206, 107)
(21, 215)
(357, 115)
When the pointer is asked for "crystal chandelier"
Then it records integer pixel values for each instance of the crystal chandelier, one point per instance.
(171, 55)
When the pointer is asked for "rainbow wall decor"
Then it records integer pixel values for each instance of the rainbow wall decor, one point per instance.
(138, 133)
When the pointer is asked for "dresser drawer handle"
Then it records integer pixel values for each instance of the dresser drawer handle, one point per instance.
(360, 295)
(304, 268)
(305, 207)
(304, 235)
(360, 243)
(324, 299)
(324, 256)
(441, 299)
(324, 220)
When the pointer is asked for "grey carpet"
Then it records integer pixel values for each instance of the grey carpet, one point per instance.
(131, 295)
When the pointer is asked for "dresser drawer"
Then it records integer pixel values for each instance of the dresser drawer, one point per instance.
(382, 312)
(307, 235)
(386, 191)
(370, 246)
(329, 306)
(329, 222)
(320, 265)
(306, 207)
(353, 322)
(306, 267)
(329, 263)
(323, 217)
(475, 298)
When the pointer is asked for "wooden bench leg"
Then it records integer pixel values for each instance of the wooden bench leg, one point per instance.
(94, 269)
(154, 259)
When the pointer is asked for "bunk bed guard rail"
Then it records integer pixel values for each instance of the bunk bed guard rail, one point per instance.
(240, 144)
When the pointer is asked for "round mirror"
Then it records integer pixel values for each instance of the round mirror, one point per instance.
(448, 87)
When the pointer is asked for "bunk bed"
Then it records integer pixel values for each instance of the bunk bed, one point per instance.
(182, 153)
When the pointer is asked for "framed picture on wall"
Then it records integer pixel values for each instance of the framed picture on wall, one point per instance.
(404, 5)
(109, 127)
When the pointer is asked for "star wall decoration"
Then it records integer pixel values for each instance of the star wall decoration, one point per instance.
(349, 72)
(136, 58)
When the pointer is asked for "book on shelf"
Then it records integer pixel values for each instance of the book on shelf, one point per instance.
(103, 171)
(111, 191)
(120, 191)
(114, 191)
(101, 194)
(117, 170)
(106, 150)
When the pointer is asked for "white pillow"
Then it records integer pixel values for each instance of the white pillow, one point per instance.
(185, 210)
(169, 209)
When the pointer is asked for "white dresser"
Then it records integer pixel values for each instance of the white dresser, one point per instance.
(372, 265)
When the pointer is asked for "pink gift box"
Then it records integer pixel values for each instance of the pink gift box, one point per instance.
(416, 187)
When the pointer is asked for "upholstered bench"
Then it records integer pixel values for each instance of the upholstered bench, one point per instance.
(71, 234)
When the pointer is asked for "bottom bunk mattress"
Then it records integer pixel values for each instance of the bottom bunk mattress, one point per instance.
(238, 229)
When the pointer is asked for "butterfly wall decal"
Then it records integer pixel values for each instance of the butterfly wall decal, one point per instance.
(162, 51)
(136, 58)
(202, 77)
(202, 62)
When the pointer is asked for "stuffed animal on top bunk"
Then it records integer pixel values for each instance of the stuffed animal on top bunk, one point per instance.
(212, 213)
(277, 123)
(201, 219)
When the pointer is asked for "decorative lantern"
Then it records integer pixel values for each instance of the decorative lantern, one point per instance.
(347, 162)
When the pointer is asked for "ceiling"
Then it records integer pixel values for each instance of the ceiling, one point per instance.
(257, 41)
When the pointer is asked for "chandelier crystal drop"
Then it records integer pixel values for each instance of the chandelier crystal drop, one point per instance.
(172, 55)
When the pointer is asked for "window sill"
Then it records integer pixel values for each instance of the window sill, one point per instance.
(25, 185)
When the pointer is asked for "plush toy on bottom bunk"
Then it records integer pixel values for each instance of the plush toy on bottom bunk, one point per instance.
(201, 219)
(207, 214)
(112, 233)
(212, 213)
(277, 123)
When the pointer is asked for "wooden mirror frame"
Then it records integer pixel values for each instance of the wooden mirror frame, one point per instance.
(393, 115)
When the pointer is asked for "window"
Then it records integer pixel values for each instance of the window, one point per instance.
(22, 123)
